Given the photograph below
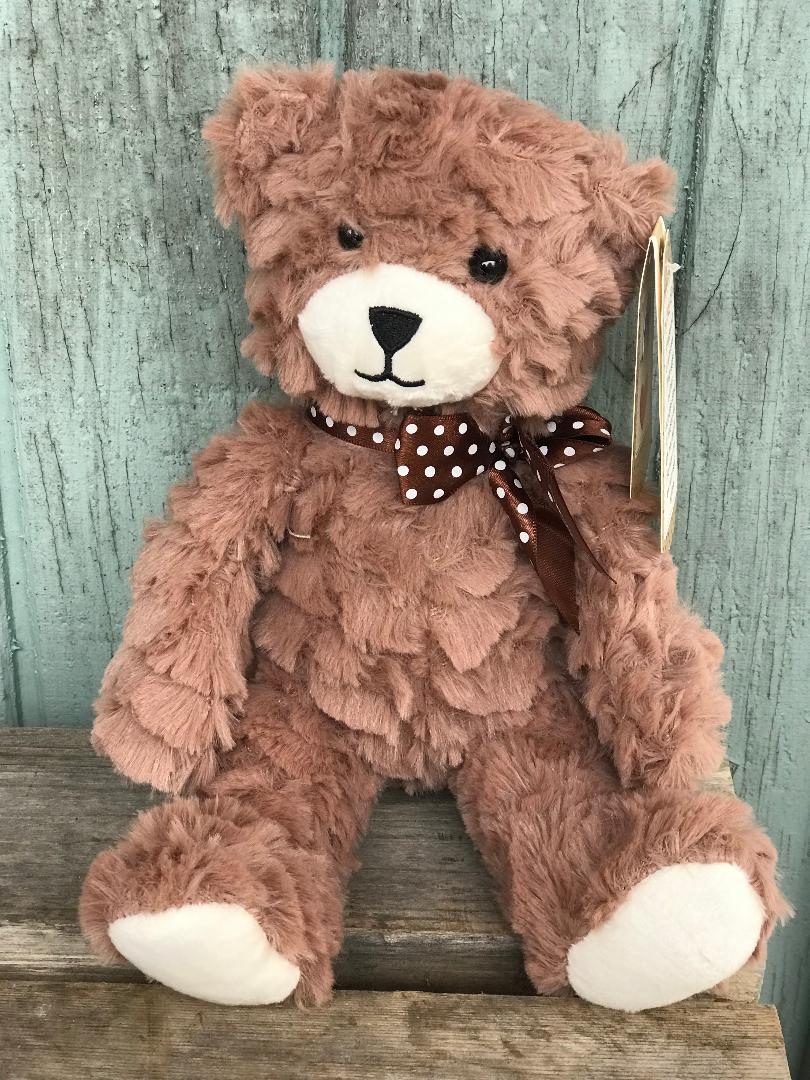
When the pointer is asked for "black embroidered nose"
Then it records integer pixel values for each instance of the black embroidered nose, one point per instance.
(392, 327)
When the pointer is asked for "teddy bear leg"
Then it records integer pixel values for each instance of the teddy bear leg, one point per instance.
(636, 899)
(236, 895)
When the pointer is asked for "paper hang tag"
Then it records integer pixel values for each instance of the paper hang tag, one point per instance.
(655, 361)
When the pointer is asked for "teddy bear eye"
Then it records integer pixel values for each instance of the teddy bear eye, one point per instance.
(349, 238)
(487, 265)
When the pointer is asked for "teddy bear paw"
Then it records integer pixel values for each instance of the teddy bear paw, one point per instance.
(679, 932)
(215, 952)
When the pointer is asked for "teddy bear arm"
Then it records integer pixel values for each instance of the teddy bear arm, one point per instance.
(649, 668)
(172, 691)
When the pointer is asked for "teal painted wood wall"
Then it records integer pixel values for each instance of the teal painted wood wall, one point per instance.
(122, 315)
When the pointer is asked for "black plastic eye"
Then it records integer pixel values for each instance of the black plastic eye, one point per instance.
(349, 237)
(487, 265)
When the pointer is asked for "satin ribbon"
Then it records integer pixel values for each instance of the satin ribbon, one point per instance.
(436, 455)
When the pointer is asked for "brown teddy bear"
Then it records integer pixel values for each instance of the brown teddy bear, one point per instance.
(394, 576)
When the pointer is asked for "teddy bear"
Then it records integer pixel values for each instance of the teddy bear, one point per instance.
(423, 567)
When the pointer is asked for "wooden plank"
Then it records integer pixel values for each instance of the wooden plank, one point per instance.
(744, 386)
(421, 914)
(76, 1030)
(122, 302)
(8, 681)
(10, 536)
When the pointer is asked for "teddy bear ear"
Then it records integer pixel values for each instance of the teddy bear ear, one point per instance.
(627, 198)
(267, 114)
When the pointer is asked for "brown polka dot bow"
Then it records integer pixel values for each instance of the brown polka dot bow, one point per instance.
(436, 455)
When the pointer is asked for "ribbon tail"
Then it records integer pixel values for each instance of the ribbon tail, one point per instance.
(554, 560)
(568, 521)
(546, 540)
(549, 530)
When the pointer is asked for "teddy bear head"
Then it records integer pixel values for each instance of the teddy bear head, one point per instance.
(416, 240)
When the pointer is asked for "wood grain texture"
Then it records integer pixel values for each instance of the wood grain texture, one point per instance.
(8, 703)
(75, 1030)
(421, 913)
(122, 313)
(745, 434)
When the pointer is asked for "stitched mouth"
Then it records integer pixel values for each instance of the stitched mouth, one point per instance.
(387, 375)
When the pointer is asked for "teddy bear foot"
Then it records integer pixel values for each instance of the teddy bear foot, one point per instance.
(213, 951)
(679, 932)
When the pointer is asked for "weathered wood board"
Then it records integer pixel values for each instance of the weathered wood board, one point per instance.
(421, 913)
(745, 435)
(75, 1030)
(122, 314)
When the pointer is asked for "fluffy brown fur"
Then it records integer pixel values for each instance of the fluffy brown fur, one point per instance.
(411, 643)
